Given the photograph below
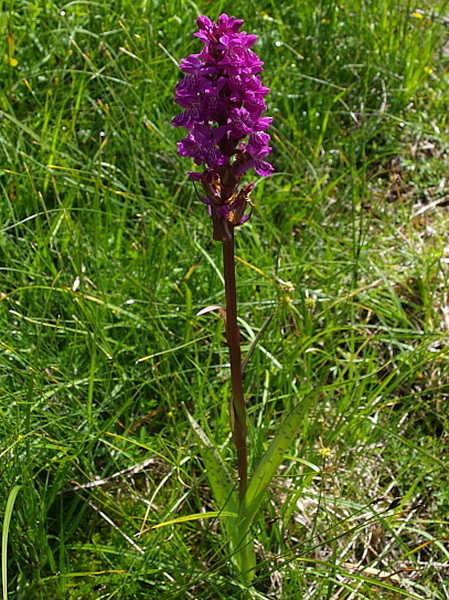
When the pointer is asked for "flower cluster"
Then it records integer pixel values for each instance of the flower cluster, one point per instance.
(222, 98)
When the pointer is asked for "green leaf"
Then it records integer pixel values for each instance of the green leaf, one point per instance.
(223, 488)
(270, 462)
(226, 499)
(5, 531)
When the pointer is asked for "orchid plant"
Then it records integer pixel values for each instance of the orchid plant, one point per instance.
(223, 102)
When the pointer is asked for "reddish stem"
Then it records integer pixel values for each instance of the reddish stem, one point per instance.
(238, 408)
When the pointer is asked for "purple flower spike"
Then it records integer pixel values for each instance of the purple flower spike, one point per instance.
(222, 98)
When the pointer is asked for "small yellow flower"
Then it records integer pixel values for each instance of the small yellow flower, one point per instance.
(286, 300)
(310, 302)
(324, 452)
(428, 70)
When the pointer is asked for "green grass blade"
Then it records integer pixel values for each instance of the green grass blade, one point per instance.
(256, 341)
(213, 514)
(5, 531)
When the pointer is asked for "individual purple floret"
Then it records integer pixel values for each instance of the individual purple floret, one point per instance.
(222, 98)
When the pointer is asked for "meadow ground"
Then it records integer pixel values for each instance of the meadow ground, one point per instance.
(106, 256)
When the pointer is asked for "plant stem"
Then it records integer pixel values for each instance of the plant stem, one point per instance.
(237, 408)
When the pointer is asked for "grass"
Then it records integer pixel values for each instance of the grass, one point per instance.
(106, 257)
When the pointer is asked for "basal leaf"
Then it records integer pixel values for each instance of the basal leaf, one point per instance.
(218, 474)
(270, 462)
